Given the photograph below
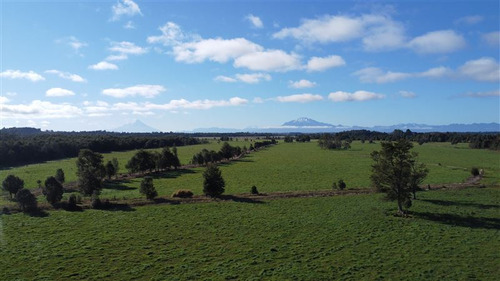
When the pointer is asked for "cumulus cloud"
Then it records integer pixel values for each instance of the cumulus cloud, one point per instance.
(3, 100)
(492, 38)
(377, 75)
(67, 75)
(58, 92)
(301, 84)
(300, 98)
(18, 74)
(147, 91)
(127, 48)
(226, 79)
(269, 60)
(340, 96)
(321, 64)
(171, 34)
(125, 7)
(251, 78)
(255, 21)
(442, 41)
(38, 109)
(436, 72)
(483, 69)
(103, 65)
(407, 94)
(469, 20)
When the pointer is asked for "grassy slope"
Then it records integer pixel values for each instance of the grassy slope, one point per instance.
(453, 235)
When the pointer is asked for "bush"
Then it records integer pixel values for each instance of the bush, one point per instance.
(254, 190)
(341, 184)
(183, 193)
(213, 183)
(72, 201)
(147, 188)
(53, 190)
(26, 200)
(474, 171)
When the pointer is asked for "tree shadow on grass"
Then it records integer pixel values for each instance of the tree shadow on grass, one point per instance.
(165, 201)
(118, 185)
(464, 204)
(450, 219)
(116, 207)
(171, 174)
(38, 213)
(240, 199)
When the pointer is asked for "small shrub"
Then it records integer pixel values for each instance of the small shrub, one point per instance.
(341, 184)
(147, 188)
(254, 190)
(183, 193)
(26, 200)
(72, 201)
(474, 171)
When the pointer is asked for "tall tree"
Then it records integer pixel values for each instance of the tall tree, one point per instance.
(53, 190)
(110, 169)
(213, 183)
(141, 162)
(26, 200)
(12, 184)
(116, 165)
(90, 171)
(396, 171)
(147, 188)
(60, 176)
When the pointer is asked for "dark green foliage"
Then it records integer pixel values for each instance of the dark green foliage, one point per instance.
(95, 201)
(474, 171)
(254, 190)
(110, 169)
(12, 184)
(60, 176)
(288, 139)
(90, 171)
(147, 188)
(328, 141)
(183, 193)
(116, 165)
(341, 184)
(5, 211)
(396, 171)
(26, 200)
(213, 183)
(142, 161)
(168, 159)
(53, 190)
(72, 202)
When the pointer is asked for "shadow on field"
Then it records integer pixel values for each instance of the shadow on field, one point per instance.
(118, 185)
(171, 174)
(464, 204)
(240, 199)
(114, 207)
(472, 222)
(165, 201)
(38, 213)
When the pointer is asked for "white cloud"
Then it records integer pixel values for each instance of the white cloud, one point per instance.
(103, 65)
(58, 92)
(197, 104)
(39, 110)
(117, 57)
(269, 60)
(494, 93)
(255, 21)
(382, 33)
(407, 94)
(127, 48)
(67, 75)
(321, 64)
(442, 41)
(483, 69)
(226, 79)
(125, 7)
(73, 42)
(340, 96)
(253, 77)
(469, 20)
(217, 50)
(492, 38)
(301, 84)
(436, 72)
(17, 74)
(147, 91)
(3, 100)
(129, 25)
(171, 34)
(300, 98)
(377, 75)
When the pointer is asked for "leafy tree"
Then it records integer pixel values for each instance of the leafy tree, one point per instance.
(141, 162)
(90, 171)
(53, 190)
(213, 183)
(26, 200)
(60, 176)
(147, 188)
(110, 169)
(254, 190)
(12, 184)
(116, 165)
(226, 150)
(396, 171)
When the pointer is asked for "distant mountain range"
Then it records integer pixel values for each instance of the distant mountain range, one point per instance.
(135, 127)
(308, 125)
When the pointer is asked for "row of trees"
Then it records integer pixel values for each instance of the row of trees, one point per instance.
(144, 160)
(227, 152)
(333, 142)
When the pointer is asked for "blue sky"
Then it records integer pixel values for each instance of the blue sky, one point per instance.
(181, 65)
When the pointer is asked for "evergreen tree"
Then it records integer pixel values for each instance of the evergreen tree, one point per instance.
(213, 183)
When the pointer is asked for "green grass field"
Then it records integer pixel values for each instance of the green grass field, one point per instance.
(286, 167)
(450, 235)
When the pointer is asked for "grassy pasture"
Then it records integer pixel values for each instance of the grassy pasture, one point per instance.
(287, 167)
(451, 235)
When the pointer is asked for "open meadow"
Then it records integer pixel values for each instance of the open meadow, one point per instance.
(449, 235)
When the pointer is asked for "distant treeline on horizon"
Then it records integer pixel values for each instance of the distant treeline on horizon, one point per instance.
(21, 146)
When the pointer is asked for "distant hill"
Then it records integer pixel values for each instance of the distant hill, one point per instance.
(26, 131)
(136, 127)
(306, 122)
